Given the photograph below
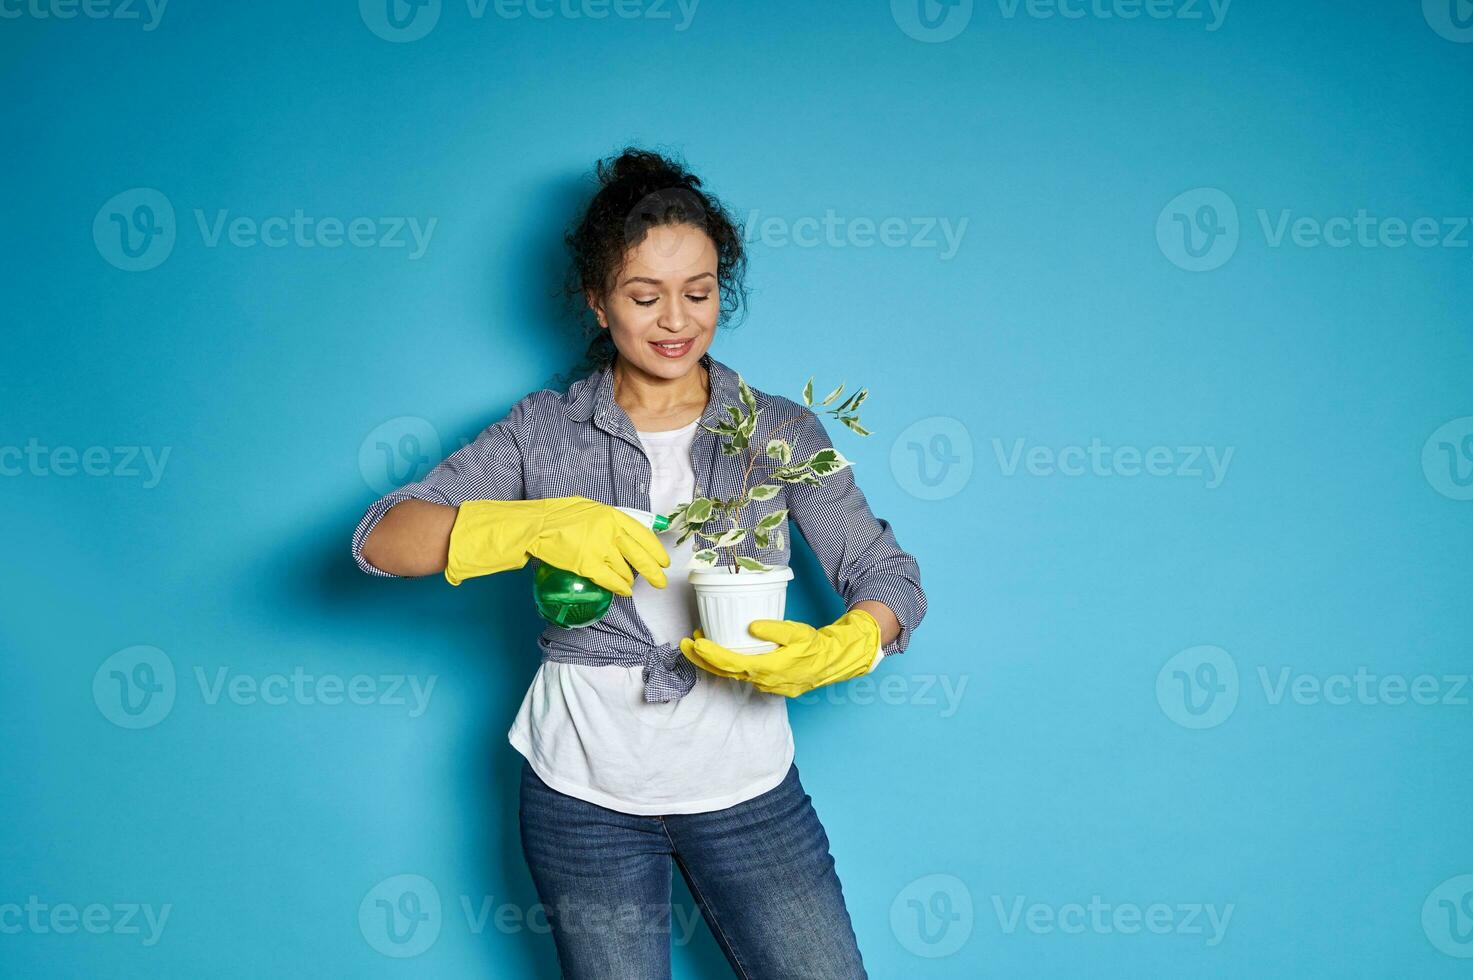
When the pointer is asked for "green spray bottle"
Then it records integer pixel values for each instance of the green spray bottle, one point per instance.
(570, 601)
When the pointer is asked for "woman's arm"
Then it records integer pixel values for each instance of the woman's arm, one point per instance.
(407, 532)
(412, 538)
(884, 615)
(857, 550)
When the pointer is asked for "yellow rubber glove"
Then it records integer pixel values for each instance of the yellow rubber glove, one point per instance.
(583, 536)
(805, 658)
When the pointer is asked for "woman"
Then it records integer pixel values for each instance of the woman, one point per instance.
(642, 740)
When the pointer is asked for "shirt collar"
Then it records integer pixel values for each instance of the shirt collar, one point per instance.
(593, 396)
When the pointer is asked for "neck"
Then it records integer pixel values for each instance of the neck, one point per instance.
(640, 391)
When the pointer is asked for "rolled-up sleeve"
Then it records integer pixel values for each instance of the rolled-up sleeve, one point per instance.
(857, 550)
(490, 468)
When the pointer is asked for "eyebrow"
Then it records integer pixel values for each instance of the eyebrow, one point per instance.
(661, 282)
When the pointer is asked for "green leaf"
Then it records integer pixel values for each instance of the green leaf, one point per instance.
(853, 401)
(732, 537)
(830, 467)
(854, 424)
(779, 449)
(748, 399)
(706, 556)
(834, 394)
(770, 521)
(759, 536)
(808, 393)
(752, 564)
(765, 491)
(698, 511)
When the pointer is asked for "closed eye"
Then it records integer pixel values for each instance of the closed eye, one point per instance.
(656, 299)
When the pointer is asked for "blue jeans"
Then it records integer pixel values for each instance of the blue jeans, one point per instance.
(760, 872)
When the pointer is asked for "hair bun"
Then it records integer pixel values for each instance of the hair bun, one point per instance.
(646, 168)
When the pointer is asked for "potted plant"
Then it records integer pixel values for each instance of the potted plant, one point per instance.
(733, 593)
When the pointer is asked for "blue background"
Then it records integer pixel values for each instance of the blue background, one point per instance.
(1056, 600)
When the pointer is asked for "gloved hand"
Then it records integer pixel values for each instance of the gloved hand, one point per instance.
(583, 536)
(805, 658)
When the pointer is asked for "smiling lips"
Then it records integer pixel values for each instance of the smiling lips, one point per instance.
(673, 351)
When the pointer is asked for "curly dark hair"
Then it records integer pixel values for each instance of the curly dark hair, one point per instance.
(639, 190)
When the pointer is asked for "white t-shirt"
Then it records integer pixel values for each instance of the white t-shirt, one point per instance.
(588, 732)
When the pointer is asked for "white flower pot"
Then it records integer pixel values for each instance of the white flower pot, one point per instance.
(728, 602)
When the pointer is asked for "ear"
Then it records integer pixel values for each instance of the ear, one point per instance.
(596, 305)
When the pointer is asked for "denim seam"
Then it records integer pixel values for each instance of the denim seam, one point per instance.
(701, 897)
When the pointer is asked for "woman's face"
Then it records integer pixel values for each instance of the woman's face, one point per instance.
(666, 293)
